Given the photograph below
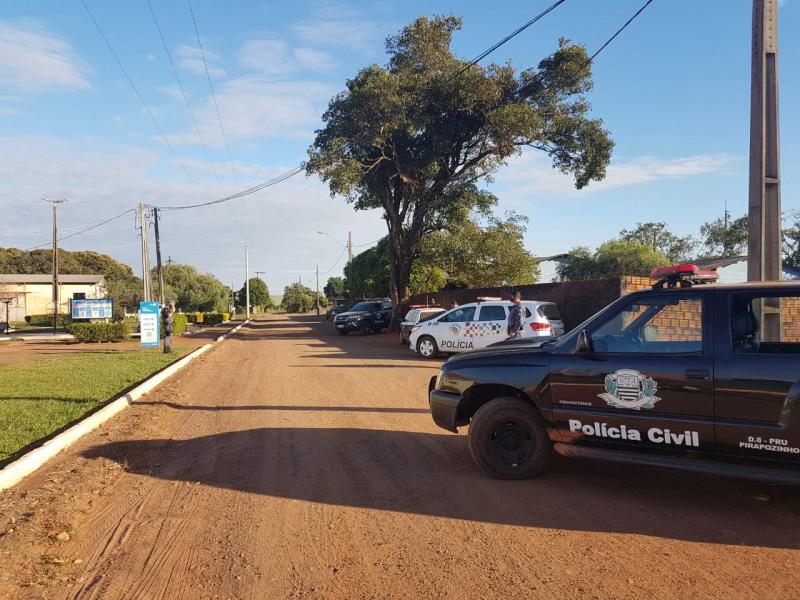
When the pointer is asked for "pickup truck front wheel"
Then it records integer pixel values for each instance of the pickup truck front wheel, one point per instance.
(507, 439)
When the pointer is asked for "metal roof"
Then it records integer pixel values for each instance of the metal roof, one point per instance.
(12, 278)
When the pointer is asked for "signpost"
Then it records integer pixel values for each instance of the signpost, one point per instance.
(149, 324)
(90, 308)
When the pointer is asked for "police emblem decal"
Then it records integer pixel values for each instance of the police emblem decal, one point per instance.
(628, 388)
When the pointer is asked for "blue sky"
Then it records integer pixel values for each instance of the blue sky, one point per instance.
(673, 90)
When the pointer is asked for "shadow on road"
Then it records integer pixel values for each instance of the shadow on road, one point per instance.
(322, 336)
(257, 407)
(432, 474)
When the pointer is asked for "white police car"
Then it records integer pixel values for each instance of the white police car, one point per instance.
(478, 324)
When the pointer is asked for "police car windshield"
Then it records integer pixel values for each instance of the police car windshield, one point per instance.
(366, 306)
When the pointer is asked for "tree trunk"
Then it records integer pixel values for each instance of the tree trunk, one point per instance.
(400, 263)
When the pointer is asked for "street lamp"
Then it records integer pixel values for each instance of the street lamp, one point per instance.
(7, 300)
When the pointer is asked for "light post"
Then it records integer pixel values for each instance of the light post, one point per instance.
(7, 300)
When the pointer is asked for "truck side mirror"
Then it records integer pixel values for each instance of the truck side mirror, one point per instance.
(583, 346)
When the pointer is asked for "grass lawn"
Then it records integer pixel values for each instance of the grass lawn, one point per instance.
(39, 396)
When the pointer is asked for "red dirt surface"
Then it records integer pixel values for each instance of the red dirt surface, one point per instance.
(290, 462)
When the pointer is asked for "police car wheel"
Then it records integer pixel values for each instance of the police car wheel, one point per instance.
(507, 439)
(342, 331)
(426, 347)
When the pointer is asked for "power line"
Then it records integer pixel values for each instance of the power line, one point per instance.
(247, 192)
(183, 93)
(334, 264)
(213, 95)
(591, 58)
(620, 30)
(140, 97)
(84, 230)
(511, 35)
(189, 109)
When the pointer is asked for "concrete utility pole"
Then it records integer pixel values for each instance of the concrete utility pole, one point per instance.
(56, 294)
(317, 290)
(247, 281)
(159, 266)
(147, 294)
(764, 214)
(764, 236)
(349, 247)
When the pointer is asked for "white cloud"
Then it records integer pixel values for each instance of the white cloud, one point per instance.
(33, 59)
(332, 25)
(314, 59)
(102, 180)
(255, 107)
(191, 59)
(274, 57)
(532, 174)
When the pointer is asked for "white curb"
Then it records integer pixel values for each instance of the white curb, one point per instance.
(30, 461)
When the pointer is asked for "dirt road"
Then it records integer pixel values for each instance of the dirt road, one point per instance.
(293, 463)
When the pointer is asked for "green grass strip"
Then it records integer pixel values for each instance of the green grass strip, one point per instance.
(42, 395)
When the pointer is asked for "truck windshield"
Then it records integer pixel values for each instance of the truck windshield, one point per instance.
(366, 306)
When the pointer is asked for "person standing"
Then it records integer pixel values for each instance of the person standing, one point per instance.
(516, 316)
(168, 320)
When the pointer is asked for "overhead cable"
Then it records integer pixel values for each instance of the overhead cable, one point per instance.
(140, 97)
(76, 233)
(247, 192)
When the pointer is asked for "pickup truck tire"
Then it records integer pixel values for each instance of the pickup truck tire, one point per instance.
(426, 347)
(342, 331)
(508, 441)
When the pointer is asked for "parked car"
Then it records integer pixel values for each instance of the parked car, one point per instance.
(370, 316)
(339, 306)
(697, 377)
(479, 324)
(415, 316)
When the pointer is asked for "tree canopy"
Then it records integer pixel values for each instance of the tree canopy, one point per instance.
(656, 235)
(475, 255)
(335, 288)
(725, 237)
(193, 291)
(298, 298)
(413, 138)
(83, 262)
(615, 258)
(259, 294)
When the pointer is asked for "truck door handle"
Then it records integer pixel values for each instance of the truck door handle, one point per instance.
(701, 374)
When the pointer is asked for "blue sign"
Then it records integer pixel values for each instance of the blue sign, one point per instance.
(149, 323)
(88, 308)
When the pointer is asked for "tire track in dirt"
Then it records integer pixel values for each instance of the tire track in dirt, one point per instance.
(294, 463)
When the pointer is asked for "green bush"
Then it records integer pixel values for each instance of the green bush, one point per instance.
(47, 319)
(179, 322)
(99, 332)
(214, 318)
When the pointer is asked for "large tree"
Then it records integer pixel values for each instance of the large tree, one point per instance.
(259, 294)
(725, 237)
(614, 258)
(415, 137)
(476, 252)
(193, 291)
(335, 288)
(656, 235)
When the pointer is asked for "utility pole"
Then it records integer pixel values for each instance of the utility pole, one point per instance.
(349, 261)
(56, 294)
(317, 289)
(247, 281)
(764, 213)
(147, 294)
(158, 258)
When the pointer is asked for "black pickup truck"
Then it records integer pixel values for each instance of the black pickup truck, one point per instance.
(699, 377)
